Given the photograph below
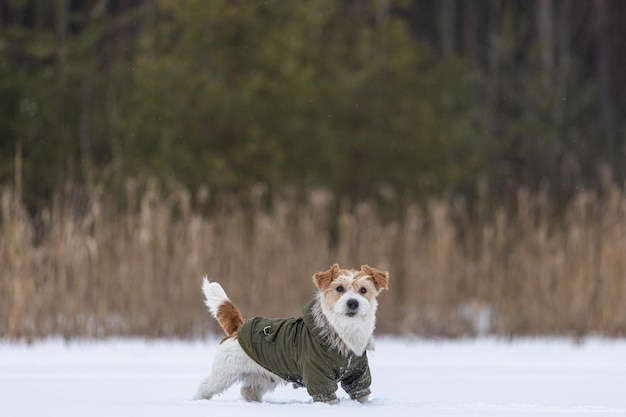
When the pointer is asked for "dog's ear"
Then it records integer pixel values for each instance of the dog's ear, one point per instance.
(380, 278)
(323, 278)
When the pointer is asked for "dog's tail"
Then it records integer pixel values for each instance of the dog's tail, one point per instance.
(225, 312)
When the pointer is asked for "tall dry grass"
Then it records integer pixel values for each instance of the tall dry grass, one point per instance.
(83, 268)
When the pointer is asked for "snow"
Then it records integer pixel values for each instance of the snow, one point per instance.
(484, 377)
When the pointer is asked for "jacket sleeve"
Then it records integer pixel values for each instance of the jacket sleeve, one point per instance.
(319, 383)
(357, 383)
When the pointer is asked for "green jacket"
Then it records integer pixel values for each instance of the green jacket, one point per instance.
(294, 350)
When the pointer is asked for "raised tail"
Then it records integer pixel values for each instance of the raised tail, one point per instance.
(225, 312)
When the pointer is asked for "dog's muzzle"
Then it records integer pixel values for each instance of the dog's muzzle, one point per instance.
(353, 306)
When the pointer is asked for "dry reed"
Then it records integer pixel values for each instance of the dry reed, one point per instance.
(98, 272)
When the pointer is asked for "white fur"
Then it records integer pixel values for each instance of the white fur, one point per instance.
(230, 365)
(214, 295)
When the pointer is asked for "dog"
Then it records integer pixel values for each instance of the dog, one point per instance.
(325, 346)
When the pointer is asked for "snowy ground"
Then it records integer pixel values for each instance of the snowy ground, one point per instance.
(410, 378)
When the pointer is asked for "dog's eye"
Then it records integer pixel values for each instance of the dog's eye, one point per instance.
(363, 290)
(340, 288)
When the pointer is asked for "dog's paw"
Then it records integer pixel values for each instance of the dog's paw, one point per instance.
(200, 395)
(364, 399)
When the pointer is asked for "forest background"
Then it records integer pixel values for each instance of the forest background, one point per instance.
(475, 149)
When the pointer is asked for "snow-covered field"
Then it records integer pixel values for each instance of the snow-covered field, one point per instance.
(410, 378)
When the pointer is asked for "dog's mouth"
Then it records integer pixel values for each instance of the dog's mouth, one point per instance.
(351, 313)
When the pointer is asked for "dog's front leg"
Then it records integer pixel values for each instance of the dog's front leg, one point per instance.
(328, 398)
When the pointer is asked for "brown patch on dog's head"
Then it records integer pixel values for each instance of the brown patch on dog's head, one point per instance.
(323, 278)
(380, 278)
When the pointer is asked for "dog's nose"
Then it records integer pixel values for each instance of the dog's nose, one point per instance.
(352, 304)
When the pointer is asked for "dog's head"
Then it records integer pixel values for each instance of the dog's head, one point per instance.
(350, 293)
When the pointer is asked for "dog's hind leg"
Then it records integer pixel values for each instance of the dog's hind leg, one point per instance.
(225, 372)
(257, 385)
(211, 386)
(251, 393)
(219, 380)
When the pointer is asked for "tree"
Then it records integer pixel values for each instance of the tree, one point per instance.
(60, 76)
(236, 93)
